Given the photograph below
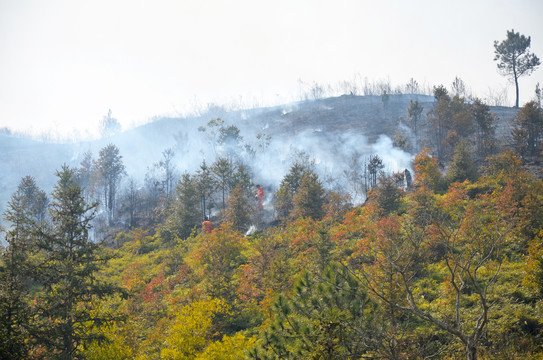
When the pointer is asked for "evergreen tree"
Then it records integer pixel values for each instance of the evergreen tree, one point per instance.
(484, 127)
(241, 177)
(223, 170)
(327, 318)
(27, 207)
(375, 167)
(462, 167)
(111, 169)
(513, 58)
(14, 299)
(68, 273)
(206, 186)
(26, 211)
(309, 198)
(288, 188)
(238, 211)
(387, 195)
(185, 212)
(528, 129)
(439, 118)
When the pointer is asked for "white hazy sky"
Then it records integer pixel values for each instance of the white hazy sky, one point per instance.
(63, 64)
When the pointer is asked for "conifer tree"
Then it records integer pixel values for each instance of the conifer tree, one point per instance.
(327, 318)
(27, 207)
(238, 211)
(528, 129)
(289, 187)
(462, 167)
(223, 170)
(111, 169)
(25, 212)
(309, 198)
(485, 127)
(185, 211)
(206, 186)
(513, 58)
(68, 273)
(14, 299)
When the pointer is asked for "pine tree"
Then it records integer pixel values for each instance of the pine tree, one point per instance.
(309, 198)
(14, 299)
(462, 167)
(26, 211)
(238, 211)
(68, 273)
(223, 170)
(27, 207)
(324, 318)
(528, 129)
(288, 188)
(485, 127)
(513, 58)
(111, 169)
(185, 211)
(206, 186)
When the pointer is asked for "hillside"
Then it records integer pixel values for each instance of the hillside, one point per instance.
(264, 252)
(327, 129)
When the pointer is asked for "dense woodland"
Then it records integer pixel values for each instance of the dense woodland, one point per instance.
(445, 261)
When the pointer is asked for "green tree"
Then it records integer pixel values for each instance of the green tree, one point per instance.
(238, 211)
(216, 257)
(451, 120)
(386, 194)
(130, 204)
(205, 183)
(185, 211)
(223, 170)
(68, 272)
(462, 167)
(25, 212)
(27, 207)
(289, 187)
(110, 169)
(528, 129)
(241, 177)
(485, 127)
(309, 198)
(15, 312)
(439, 117)
(514, 59)
(461, 117)
(324, 318)
(375, 168)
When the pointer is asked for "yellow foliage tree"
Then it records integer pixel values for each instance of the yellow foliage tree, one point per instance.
(192, 329)
(230, 348)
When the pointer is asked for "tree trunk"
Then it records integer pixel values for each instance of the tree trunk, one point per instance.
(471, 350)
(516, 88)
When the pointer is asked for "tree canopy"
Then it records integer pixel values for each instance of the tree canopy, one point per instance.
(514, 59)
